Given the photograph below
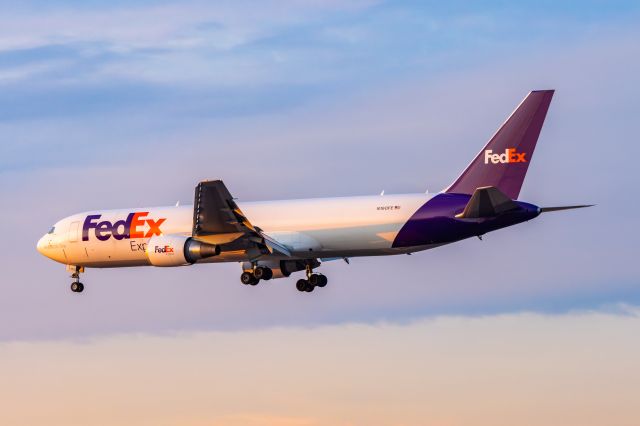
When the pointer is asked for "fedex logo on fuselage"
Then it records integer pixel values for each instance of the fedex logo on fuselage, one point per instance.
(510, 155)
(131, 227)
(165, 249)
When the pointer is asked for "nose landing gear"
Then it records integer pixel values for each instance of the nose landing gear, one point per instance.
(76, 285)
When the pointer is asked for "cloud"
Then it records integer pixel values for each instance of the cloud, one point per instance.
(9, 75)
(252, 44)
(223, 25)
(525, 369)
(187, 43)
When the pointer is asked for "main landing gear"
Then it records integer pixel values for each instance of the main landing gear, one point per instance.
(253, 274)
(253, 277)
(312, 281)
(76, 285)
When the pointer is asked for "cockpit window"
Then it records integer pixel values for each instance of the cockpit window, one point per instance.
(52, 230)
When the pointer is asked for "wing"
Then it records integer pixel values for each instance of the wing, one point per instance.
(487, 201)
(217, 219)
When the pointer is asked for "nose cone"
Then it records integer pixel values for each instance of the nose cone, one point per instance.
(52, 247)
(42, 245)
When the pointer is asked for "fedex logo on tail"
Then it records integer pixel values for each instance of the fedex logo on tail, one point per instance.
(131, 227)
(510, 155)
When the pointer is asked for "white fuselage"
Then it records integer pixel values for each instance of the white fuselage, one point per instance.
(318, 228)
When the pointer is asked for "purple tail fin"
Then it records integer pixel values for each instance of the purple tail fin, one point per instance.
(504, 161)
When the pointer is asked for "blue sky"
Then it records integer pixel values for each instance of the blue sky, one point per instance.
(116, 104)
(243, 58)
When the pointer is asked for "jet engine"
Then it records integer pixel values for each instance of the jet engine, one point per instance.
(178, 250)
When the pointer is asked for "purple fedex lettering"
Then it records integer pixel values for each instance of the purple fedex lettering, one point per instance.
(125, 225)
(105, 229)
(88, 224)
(131, 227)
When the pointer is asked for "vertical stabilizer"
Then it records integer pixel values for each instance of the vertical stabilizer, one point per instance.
(504, 161)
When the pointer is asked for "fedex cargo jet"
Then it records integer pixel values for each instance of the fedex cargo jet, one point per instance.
(274, 239)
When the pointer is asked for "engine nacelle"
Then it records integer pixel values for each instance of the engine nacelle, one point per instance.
(178, 250)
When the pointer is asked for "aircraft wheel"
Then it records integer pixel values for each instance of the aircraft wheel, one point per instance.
(322, 280)
(310, 287)
(268, 274)
(77, 287)
(248, 278)
(318, 280)
(301, 285)
(314, 279)
(263, 273)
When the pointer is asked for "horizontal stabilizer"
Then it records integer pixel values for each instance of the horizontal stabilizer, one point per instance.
(487, 201)
(555, 209)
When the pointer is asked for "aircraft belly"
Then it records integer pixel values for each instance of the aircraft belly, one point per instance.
(374, 237)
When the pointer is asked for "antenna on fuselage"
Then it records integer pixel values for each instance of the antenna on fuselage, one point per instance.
(178, 203)
(382, 193)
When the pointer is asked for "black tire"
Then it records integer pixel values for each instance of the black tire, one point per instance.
(301, 285)
(322, 281)
(255, 281)
(247, 278)
(80, 287)
(75, 287)
(267, 274)
(310, 287)
(314, 279)
(258, 272)
(262, 273)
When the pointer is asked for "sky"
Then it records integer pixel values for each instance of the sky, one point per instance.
(122, 104)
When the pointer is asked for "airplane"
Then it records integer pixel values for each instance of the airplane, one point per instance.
(273, 239)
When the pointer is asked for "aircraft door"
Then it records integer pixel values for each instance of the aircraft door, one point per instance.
(72, 236)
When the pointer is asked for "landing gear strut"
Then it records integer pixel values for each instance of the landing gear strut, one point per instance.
(76, 285)
(312, 281)
(253, 277)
